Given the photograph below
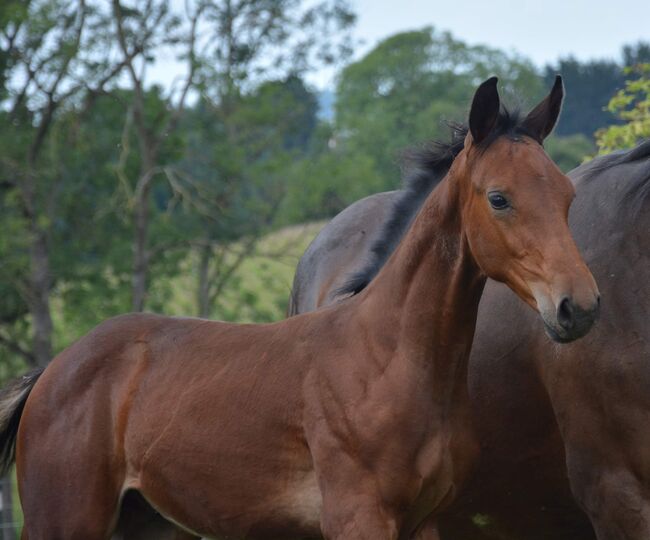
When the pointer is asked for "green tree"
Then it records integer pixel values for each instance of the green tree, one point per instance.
(569, 151)
(142, 28)
(230, 47)
(404, 89)
(94, 272)
(589, 85)
(48, 62)
(638, 53)
(263, 114)
(242, 169)
(630, 105)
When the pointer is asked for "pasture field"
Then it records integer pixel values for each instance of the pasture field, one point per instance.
(258, 290)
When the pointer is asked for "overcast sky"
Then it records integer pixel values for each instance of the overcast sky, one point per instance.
(542, 30)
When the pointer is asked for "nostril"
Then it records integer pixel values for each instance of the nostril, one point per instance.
(565, 314)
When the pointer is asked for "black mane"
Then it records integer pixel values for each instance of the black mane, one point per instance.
(423, 169)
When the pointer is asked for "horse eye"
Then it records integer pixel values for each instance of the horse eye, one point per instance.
(498, 201)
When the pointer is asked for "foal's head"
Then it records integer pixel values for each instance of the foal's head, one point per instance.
(515, 209)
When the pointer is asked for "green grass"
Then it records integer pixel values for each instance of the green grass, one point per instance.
(259, 290)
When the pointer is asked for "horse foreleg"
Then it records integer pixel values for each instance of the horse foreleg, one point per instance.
(613, 498)
(428, 530)
(358, 519)
(605, 441)
(353, 510)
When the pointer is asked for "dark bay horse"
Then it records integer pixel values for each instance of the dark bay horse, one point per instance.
(351, 422)
(557, 424)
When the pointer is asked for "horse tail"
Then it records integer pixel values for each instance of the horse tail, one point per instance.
(12, 402)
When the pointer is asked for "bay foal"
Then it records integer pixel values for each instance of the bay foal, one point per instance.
(351, 422)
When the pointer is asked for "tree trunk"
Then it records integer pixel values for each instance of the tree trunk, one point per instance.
(40, 276)
(39, 280)
(203, 285)
(39, 296)
(140, 250)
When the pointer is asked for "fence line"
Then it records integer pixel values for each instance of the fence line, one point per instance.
(7, 524)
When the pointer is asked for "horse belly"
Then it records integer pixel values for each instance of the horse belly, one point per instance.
(234, 498)
(294, 512)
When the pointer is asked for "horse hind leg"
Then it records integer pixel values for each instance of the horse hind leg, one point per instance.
(67, 491)
(54, 521)
(96, 517)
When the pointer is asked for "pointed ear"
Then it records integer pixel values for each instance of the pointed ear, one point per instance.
(542, 119)
(485, 110)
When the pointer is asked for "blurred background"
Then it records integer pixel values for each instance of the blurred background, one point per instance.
(178, 156)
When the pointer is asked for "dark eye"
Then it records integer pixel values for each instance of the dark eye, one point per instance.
(498, 201)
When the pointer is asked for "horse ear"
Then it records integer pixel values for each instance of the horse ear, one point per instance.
(485, 110)
(542, 119)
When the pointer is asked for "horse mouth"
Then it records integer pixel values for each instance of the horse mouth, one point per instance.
(581, 329)
(557, 337)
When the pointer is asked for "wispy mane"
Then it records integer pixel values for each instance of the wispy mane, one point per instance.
(423, 168)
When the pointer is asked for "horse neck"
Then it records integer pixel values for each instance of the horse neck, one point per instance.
(426, 297)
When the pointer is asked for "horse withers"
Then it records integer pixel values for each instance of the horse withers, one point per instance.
(349, 422)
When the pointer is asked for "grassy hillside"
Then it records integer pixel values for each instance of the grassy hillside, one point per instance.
(259, 289)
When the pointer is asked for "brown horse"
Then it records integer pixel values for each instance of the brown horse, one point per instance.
(351, 422)
(554, 423)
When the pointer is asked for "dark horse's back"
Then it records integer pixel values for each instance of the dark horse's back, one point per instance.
(557, 423)
(351, 232)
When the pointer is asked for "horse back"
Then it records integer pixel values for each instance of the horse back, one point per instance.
(338, 251)
(198, 416)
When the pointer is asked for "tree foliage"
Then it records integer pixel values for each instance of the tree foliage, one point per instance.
(590, 84)
(101, 189)
(48, 65)
(404, 90)
(630, 105)
(117, 194)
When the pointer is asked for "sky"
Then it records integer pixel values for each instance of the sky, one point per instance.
(542, 30)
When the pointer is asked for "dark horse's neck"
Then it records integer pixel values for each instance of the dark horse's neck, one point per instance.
(428, 292)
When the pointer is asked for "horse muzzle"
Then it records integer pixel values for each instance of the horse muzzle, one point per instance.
(570, 321)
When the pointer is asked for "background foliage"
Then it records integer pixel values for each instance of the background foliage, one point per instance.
(630, 105)
(116, 194)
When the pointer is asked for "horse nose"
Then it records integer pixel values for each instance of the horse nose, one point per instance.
(570, 316)
(565, 313)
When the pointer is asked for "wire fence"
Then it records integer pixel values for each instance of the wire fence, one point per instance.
(9, 526)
